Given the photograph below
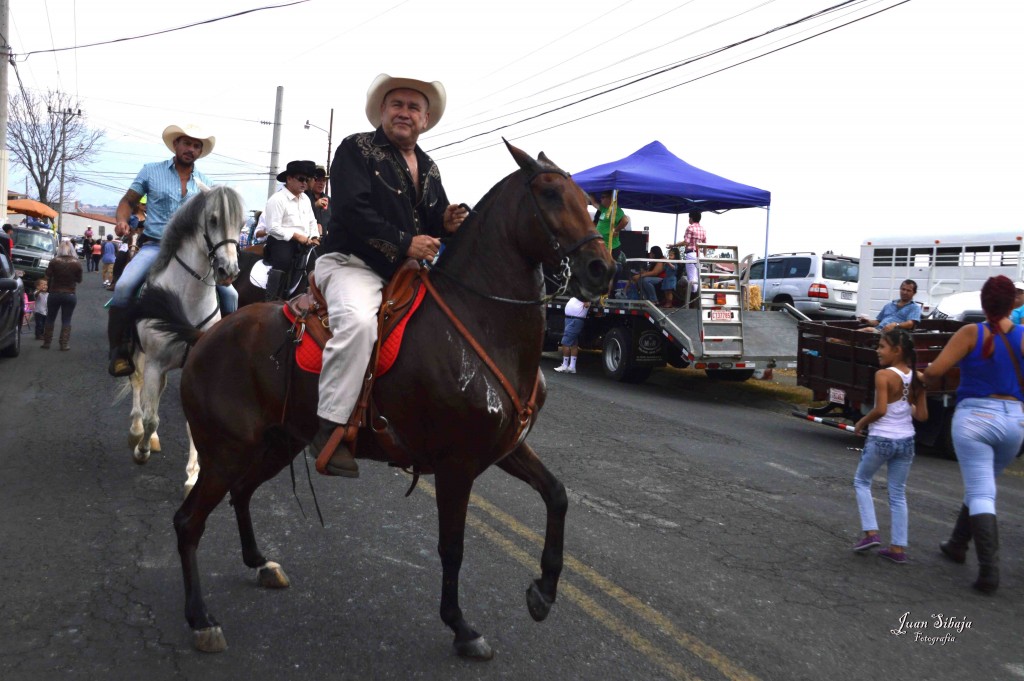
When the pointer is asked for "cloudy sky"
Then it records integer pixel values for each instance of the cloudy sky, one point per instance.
(905, 122)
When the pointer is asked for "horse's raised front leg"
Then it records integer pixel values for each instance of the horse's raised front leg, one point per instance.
(189, 524)
(154, 380)
(453, 488)
(269, 574)
(524, 464)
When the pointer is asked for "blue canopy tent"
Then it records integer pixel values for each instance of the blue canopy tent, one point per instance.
(656, 180)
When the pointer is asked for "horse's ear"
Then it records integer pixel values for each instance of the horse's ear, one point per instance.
(543, 158)
(521, 157)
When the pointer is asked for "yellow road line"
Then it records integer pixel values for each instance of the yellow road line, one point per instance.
(719, 661)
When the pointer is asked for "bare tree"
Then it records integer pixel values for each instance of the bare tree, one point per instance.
(39, 129)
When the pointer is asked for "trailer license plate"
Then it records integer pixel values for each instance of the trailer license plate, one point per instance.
(721, 315)
(837, 396)
(846, 295)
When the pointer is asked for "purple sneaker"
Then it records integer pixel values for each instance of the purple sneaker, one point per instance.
(898, 558)
(868, 542)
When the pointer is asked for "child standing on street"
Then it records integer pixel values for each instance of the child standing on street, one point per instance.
(39, 313)
(575, 313)
(899, 396)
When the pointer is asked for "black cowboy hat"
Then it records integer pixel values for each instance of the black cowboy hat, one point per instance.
(307, 168)
(320, 172)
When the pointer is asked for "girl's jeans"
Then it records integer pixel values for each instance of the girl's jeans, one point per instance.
(987, 434)
(898, 454)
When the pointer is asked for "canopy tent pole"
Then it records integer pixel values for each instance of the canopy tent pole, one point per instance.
(764, 279)
(675, 231)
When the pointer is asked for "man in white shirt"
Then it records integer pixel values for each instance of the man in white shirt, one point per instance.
(290, 224)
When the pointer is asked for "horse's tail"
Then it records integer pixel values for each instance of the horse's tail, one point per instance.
(165, 309)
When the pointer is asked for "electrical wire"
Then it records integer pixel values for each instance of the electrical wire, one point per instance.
(161, 32)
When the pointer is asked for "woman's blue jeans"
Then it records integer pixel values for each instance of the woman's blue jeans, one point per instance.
(898, 454)
(987, 434)
(137, 269)
(648, 285)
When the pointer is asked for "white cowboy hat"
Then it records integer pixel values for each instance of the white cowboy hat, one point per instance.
(383, 84)
(173, 132)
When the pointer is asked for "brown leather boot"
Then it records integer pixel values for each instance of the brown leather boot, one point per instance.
(47, 336)
(65, 338)
(333, 457)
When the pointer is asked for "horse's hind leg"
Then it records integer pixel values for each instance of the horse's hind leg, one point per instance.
(154, 381)
(189, 524)
(136, 430)
(453, 488)
(192, 467)
(524, 464)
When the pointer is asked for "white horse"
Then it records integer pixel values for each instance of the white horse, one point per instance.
(199, 250)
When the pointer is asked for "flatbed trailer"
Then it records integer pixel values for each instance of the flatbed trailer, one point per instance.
(838, 363)
(718, 334)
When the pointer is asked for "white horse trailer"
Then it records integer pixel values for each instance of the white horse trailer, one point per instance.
(941, 266)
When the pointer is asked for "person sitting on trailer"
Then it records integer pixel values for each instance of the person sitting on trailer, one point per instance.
(902, 313)
(1017, 314)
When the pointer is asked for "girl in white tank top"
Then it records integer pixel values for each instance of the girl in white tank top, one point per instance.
(899, 397)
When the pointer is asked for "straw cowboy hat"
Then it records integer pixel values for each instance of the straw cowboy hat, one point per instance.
(173, 132)
(383, 84)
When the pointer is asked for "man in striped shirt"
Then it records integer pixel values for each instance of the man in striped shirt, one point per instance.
(166, 185)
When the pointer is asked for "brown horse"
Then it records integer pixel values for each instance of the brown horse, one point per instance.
(452, 413)
(249, 293)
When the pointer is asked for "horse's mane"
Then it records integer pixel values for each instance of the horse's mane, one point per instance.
(481, 207)
(183, 225)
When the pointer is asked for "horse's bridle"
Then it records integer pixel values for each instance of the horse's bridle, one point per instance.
(210, 256)
(564, 273)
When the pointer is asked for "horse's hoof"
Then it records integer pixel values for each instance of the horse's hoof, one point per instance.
(140, 457)
(134, 440)
(537, 603)
(154, 443)
(271, 576)
(477, 649)
(209, 640)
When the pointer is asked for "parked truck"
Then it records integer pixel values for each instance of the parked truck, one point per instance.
(838, 363)
(717, 334)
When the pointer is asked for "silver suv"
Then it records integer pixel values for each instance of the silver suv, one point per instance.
(33, 250)
(820, 286)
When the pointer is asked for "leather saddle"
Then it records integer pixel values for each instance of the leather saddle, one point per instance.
(312, 316)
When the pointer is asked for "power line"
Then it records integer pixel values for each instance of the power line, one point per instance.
(658, 92)
(650, 75)
(166, 30)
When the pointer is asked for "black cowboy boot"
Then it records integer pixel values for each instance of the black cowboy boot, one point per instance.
(341, 463)
(118, 330)
(986, 543)
(955, 548)
(47, 336)
(274, 281)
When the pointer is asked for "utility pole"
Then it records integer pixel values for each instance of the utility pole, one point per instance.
(64, 116)
(5, 54)
(276, 145)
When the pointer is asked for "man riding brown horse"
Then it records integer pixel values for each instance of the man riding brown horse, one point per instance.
(389, 205)
(291, 227)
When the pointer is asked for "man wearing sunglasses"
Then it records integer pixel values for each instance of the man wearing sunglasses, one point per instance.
(291, 226)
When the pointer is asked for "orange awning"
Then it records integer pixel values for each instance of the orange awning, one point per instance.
(30, 207)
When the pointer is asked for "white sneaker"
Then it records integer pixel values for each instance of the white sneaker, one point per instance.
(562, 368)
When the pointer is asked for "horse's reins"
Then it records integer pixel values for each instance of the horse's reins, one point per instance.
(524, 412)
(202, 279)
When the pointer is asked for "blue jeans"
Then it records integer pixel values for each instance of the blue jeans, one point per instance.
(987, 434)
(137, 269)
(648, 285)
(898, 454)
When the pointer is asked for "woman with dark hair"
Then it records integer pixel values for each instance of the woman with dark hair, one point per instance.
(988, 425)
(649, 279)
(64, 274)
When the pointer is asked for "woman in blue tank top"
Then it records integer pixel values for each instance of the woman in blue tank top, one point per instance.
(988, 425)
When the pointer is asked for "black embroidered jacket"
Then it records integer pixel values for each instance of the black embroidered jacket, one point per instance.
(374, 210)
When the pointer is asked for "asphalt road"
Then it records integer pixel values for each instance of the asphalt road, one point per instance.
(708, 538)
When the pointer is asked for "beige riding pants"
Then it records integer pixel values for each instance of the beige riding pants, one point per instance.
(352, 290)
